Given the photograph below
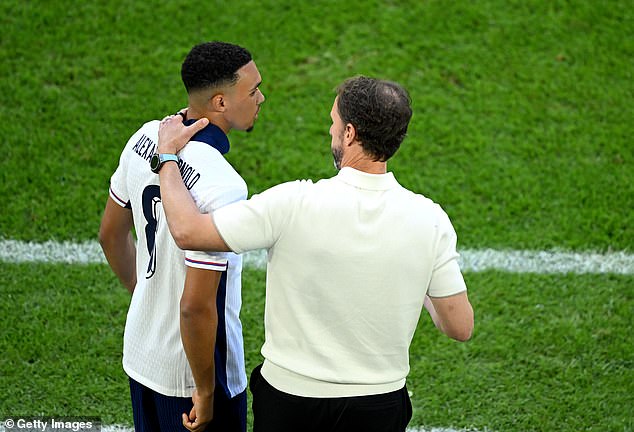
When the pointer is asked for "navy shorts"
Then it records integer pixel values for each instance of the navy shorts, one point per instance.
(154, 412)
(276, 411)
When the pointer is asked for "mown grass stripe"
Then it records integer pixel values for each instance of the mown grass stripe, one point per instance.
(471, 260)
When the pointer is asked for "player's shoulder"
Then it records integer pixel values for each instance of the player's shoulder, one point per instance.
(206, 172)
(150, 127)
(207, 159)
(199, 152)
(148, 132)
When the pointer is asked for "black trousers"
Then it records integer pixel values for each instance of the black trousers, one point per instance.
(276, 411)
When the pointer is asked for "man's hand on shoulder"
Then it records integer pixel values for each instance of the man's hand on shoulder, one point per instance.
(174, 135)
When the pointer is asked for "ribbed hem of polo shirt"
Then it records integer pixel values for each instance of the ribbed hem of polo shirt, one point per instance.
(300, 385)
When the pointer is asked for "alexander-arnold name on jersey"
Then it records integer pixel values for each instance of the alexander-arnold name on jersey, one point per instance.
(145, 148)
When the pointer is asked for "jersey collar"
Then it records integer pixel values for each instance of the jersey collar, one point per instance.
(212, 135)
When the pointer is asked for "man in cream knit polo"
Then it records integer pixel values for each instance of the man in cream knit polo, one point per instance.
(352, 260)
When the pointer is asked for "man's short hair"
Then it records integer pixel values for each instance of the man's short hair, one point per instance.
(379, 110)
(212, 65)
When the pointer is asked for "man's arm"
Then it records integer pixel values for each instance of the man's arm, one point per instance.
(199, 323)
(452, 315)
(117, 242)
(190, 229)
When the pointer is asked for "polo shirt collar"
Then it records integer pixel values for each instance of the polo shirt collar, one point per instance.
(364, 180)
(212, 135)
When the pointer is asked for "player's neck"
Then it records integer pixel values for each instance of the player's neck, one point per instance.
(214, 118)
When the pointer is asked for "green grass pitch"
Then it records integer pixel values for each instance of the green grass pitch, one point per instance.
(522, 130)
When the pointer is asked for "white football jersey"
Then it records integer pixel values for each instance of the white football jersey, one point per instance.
(153, 354)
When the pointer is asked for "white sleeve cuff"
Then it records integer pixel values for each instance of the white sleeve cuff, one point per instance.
(206, 261)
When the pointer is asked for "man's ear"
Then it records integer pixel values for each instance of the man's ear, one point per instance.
(349, 134)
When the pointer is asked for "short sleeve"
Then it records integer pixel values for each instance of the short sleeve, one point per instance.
(118, 186)
(446, 277)
(207, 260)
(258, 222)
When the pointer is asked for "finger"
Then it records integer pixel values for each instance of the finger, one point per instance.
(198, 426)
(189, 131)
(198, 125)
(183, 113)
(187, 423)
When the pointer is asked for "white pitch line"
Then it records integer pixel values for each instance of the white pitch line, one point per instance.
(471, 260)
(524, 261)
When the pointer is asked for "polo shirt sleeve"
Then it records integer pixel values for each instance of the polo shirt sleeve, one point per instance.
(446, 277)
(257, 223)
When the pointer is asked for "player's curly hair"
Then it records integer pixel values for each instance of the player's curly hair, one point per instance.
(379, 110)
(213, 64)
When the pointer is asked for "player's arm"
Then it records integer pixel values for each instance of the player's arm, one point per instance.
(117, 242)
(199, 323)
(190, 229)
(453, 315)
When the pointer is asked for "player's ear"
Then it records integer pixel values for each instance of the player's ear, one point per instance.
(217, 102)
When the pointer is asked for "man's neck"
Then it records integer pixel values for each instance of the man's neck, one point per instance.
(365, 164)
(372, 168)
